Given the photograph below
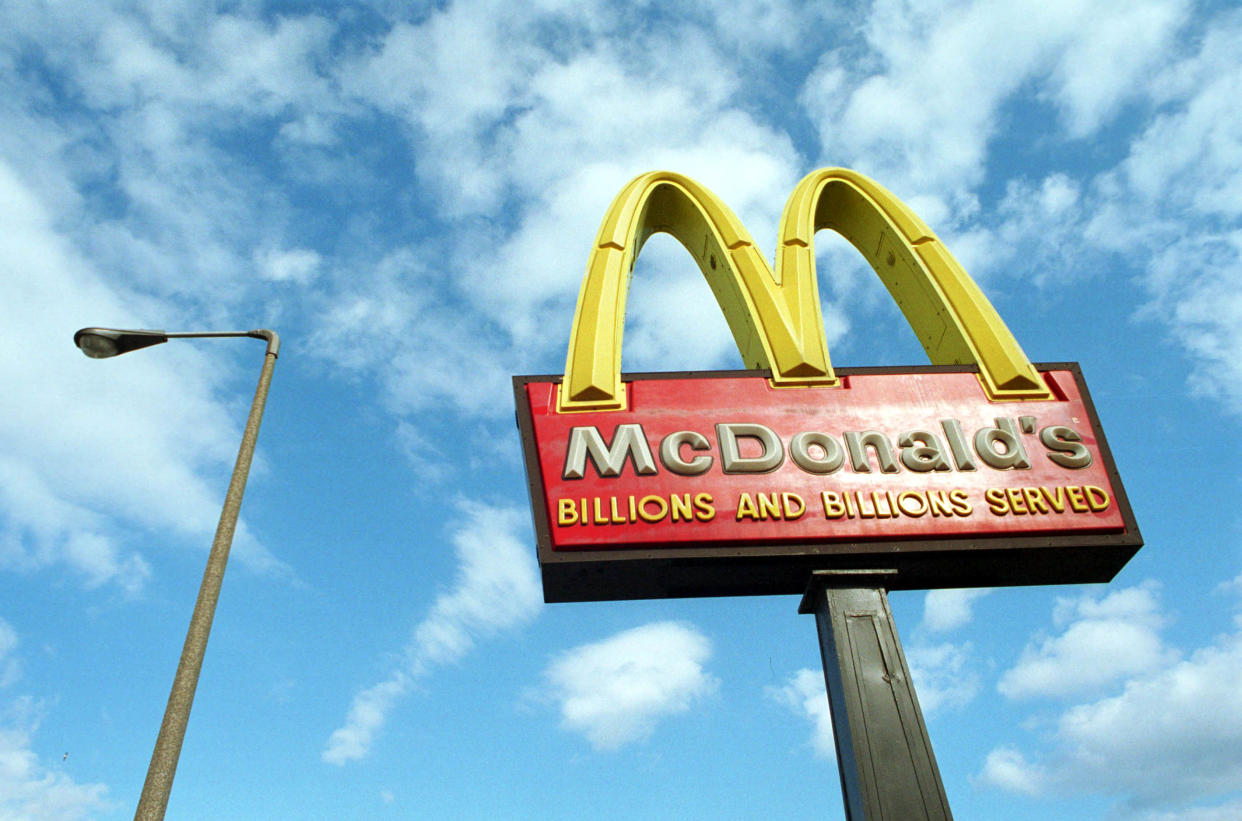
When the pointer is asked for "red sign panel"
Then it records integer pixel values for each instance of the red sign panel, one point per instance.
(884, 472)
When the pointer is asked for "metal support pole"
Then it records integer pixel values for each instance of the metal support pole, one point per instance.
(154, 800)
(888, 770)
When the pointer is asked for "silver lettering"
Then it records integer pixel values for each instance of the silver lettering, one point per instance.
(800, 452)
(670, 453)
(923, 457)
(857, 441)
(1066, 442)
(731, 459)
(628, 441)
(1006, 434)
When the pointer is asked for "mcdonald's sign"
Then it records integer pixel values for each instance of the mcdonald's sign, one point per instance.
(980, 469)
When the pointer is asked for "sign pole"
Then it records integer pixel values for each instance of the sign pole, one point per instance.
(888, 769)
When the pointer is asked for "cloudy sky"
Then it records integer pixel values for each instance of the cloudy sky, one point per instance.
(407, 193)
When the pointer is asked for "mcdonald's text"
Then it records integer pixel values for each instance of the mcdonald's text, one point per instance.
(999, 447)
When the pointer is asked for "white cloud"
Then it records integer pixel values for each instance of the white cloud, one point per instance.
(423, 452)
(554, 152)
(806, 694)
(405, 327)
(136, 173)
(10, 669)
(917, 103)
(298, 265)
(1229, 811)
(529, 132)
(1041, 235)
(96, 557)
(1105, 62)
(1188, 157)
(1104, 640)
(616, 691)
(367, 715)
(1173, 734)
(451, 96)
(1233, 586)
(942, 676)
(673, 319)
(524, 149)
(142, 437)
(1008, 769)
(496, 588)
(276, 69)
(949, 609)
(191, 57)
(1170, 738)
(1195, 282)
(533, 132)
(1171, 207)
(30, 789)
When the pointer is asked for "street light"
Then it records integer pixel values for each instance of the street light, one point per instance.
(101, 343)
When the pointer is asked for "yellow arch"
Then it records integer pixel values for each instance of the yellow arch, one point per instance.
(775, 317)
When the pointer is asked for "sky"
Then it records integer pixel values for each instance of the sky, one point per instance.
(407, 193)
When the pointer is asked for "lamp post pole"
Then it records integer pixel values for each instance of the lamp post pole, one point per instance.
(101, 343)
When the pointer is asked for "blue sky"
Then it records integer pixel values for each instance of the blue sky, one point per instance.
(407, 193)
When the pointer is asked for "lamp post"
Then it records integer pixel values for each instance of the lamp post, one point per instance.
(101, 343)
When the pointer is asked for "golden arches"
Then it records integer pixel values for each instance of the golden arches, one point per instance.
(775, 316)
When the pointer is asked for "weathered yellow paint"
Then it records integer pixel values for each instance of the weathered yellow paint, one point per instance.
(775, 316)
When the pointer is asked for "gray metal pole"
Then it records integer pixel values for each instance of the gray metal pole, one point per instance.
(154, 800)
(888, 770)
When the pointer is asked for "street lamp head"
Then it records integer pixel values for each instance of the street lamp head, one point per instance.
(101, 343)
